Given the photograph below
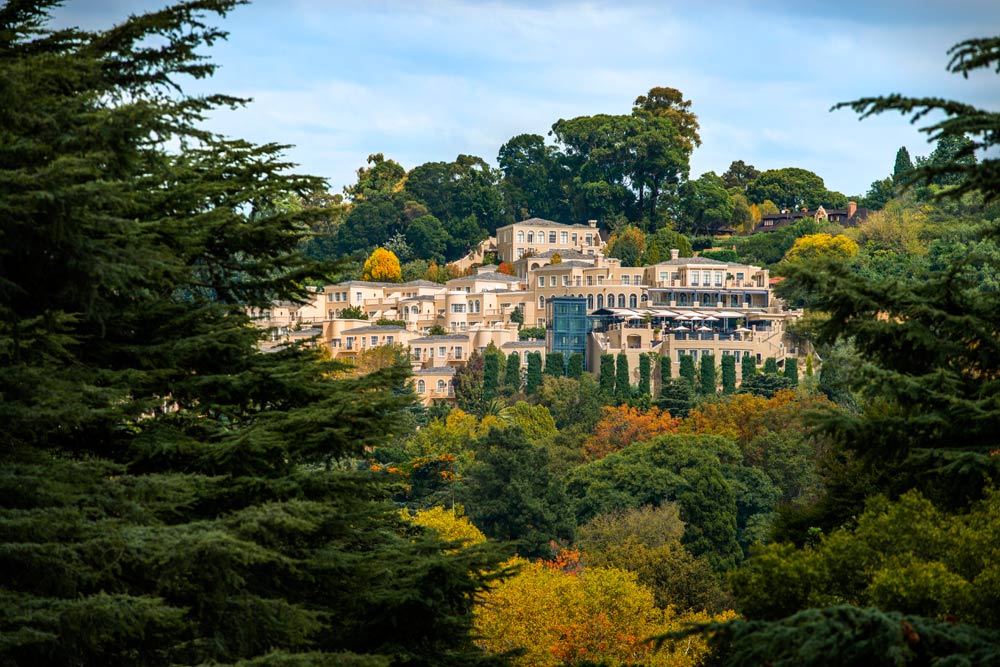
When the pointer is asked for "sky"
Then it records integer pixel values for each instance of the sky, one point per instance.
(427, 81)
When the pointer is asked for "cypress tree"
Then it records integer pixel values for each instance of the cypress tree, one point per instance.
(168, 493)
(533, 379)
(771, 366)
(728, 374)
(748, 366)
(644, 374)
(574, 367)
(792, 370)
(708, 377)
(666, 369)
(555, 364)
(512, 373)
(607, 378)
(623, 388)
(902, 167)
(687, 371)
(809, 365)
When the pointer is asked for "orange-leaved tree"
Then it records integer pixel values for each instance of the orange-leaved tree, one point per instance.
(620, 426)
(382, 266)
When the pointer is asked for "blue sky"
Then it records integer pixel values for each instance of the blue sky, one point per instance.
(426, 81)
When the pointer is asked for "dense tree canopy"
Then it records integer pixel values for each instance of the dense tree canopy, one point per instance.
(170, 495)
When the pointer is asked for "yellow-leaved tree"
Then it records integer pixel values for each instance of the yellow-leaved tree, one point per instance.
(821, 246)
(382, 266)
(448, 524)
(565, 616)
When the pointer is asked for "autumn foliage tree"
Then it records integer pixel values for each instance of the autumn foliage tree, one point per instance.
(382, 266)
(813, 247)
(620, 426)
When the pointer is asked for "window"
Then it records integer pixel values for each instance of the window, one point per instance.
(621, 300)
(390, 340)
(421, 387)
(541, 302)
(531, 237)
(574, 239)
(552, 237)
(626, 280)
(350, 342)
(718, 278)
(590, 302)
(739, 277)
(458, 307)
(564, 237)
(458, 353)
(637, 280)
(589, 238)
(441, 386)
(577, 281)
(663, 276)
(520, 236)
(600, 301)
(675, 276)
(695, 276)
(329, 314)
(430, 353)
(680, 353)
(374, 341)
(476, 306)
(416, 354)
(632, 301)
(541, 281)
(329, 296)
(442, 352)
(520, 253)
(600, 280)
(335, 342)
(590, 280)
(565, 281)
(552, 281)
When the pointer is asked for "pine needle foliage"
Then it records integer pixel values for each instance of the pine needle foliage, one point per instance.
(168, 493)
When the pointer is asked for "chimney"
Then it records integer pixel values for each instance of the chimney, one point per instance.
(852, 208)
(674, 253)
(592, 223)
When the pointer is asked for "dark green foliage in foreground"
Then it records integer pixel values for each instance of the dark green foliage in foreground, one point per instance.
(555, 364)
(168, 494)
(845, 635)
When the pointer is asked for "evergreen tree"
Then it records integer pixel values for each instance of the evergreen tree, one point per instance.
(666, 369)
(771, 366)
(493, 362)
(168, 493)
(512, 373)
(533, 379)
(555, 364)
(574, 367)
(728, 374)
(607, 377)
(708, 377)
(792, 370)
(676, 397)
(623, 388)
(903, 166)
(645, 371)
(809, 365)
(748, 367)
(687, 371)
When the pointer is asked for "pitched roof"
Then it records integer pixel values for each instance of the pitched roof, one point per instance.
(435, 370)
(441, 337)
(389, 328)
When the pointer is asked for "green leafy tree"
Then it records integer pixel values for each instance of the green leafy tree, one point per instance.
(517, 316)
(902, 167)
(687, 372)
(511, 495)
(555, 364)
(645, 373)
(628, 245)
(512, 373)
(534, 181)
(794, 188)
(792, 370)
(708, 378)
(574, 367)
(493, 369)
(169, 493)
(748, 366)
(623, 385)
(728, 374)
(607, 377)
(676, 396)
(533, 378)
(353, 313)
(705, 205)
(771, 366)
(739, 175)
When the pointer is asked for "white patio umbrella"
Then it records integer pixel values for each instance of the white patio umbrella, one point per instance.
(680, 328)
(703, 328)
(742, 330)
(711, 319)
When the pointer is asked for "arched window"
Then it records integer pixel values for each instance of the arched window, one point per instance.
(421, 387)
(590, 302)
(621, 300)
(531, 237)
(520, 236)
(632, 301)
(541, 302)
(600, 301)
(441, 386)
